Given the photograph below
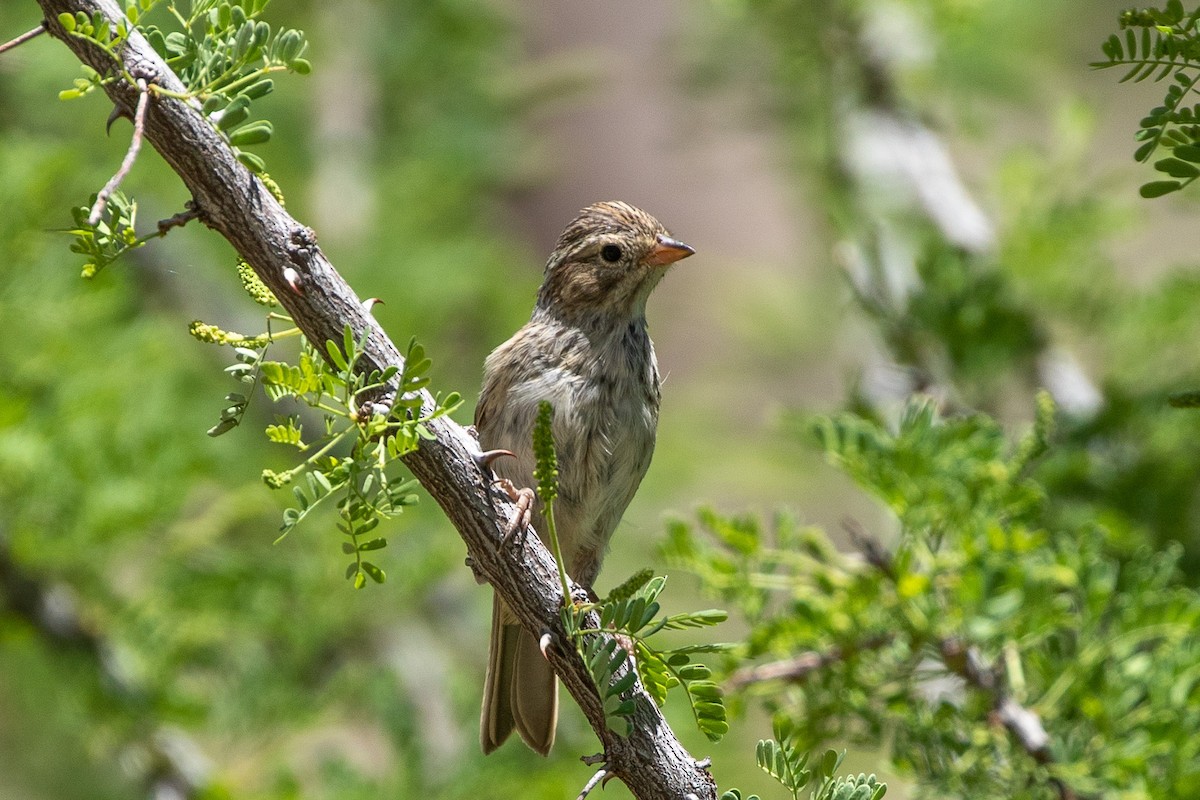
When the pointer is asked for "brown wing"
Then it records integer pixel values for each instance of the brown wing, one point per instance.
(496, 381)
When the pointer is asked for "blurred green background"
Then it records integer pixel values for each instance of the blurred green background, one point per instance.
(437, 149)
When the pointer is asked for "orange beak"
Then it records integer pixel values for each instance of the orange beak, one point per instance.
(667, 251)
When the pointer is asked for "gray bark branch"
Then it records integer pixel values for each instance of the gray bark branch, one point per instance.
(233, 202)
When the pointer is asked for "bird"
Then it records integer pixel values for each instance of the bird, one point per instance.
(586, 349)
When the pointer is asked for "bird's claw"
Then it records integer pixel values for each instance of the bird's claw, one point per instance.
(524, 500)
(486, 457)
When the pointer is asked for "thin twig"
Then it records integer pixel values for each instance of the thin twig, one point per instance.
(798, 668)
(135, 144)
(191, 212)
(23, 38)
(592, 783)
(1023, 724)
(872, 550)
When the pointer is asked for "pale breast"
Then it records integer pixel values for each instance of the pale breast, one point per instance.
(622, 414)
(605, 392)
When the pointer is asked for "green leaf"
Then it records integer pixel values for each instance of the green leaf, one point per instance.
(242, 40)
(252, 162)
(335, 355)
(222, 427)
(234, 114)
(288, 46)
(1177, 168)
(1159, 188)
(696, 619)
(260, 88)
(252, 133)
(374, 544)
(624, 683)
(653, 672)
(830, 762)
(1188, 152)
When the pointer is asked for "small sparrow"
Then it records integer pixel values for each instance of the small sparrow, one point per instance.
(587, 351)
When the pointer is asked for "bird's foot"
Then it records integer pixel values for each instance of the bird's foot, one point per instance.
(524, 500)
(522, 497)
(484, 458)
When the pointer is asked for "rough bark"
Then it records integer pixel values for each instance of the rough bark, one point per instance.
(233, 202)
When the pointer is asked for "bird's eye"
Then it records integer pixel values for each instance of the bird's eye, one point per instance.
(610, 253)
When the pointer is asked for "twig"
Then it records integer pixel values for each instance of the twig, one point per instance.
(23, 38)
(135, 144)
(592, 783)
(179, 220)
(798, 668)
(872, 550)
(1023, 724)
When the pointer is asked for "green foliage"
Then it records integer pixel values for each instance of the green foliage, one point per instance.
(783, 764)
(361, 481)
(332, 385)
(976, 511)
(780, 759)
(1017, 552)
(111, 237)
(609, 664)
(1168, 45)
(630, 616)
(222, 51)
(1077, 631)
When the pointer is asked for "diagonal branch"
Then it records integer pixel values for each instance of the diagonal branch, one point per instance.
(285, 255)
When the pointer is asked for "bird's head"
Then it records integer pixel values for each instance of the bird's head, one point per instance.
(607, 261)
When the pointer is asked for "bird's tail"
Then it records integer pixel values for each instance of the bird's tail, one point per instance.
(521, 690)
